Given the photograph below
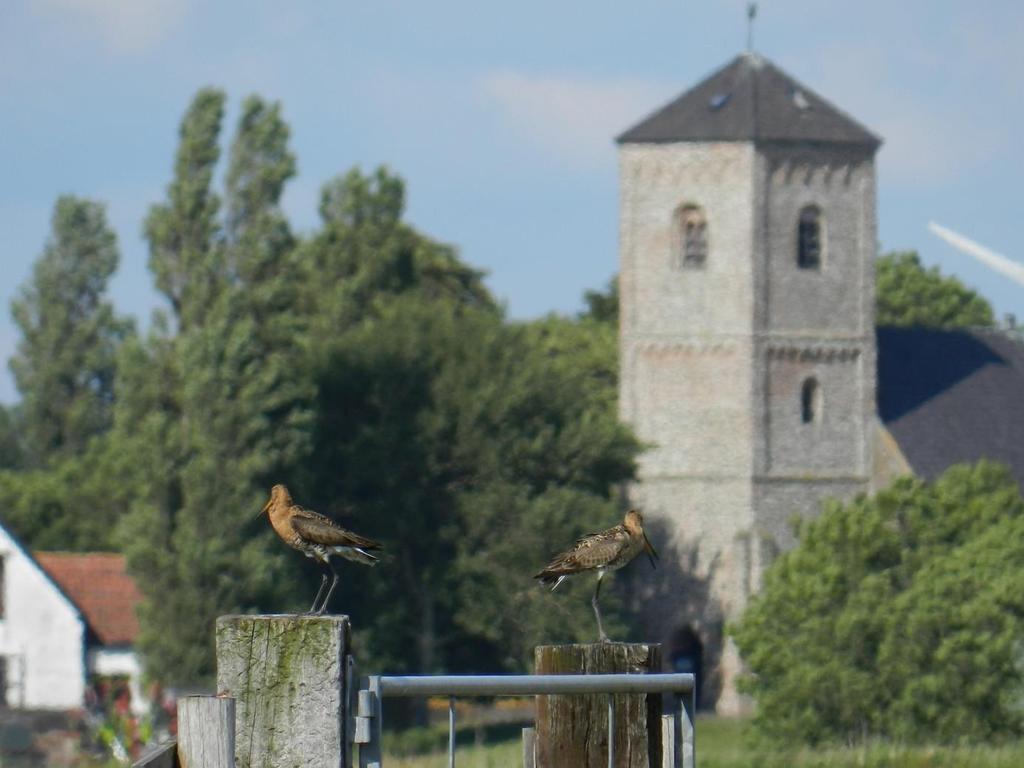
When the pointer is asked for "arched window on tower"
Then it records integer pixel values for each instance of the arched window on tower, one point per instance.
(690, 244)
(809, 239)
(810, 401)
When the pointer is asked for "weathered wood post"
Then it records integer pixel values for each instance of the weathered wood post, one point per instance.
(573, 730)
(206, 732)
(287, 674)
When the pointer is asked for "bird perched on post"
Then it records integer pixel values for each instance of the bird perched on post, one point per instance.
(318, 537)
(605, 551)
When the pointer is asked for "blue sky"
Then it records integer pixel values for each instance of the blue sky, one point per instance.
(500, 116)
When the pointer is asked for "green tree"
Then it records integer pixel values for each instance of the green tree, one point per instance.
(11, 449)
(604, 305)
(365, 253)
(896, 616)
(65, 363)
(467, 445)
(371, 370)
(216, 411)
(73, 504)
(259, 166)
(183, 232)
(539, 436)
(908, 294)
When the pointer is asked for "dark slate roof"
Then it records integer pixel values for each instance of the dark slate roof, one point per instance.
(952, 396)
(750, 99)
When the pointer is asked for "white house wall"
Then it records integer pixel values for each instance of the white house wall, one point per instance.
(42, 636)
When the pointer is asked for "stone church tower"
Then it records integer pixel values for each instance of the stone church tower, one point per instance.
(747, 240)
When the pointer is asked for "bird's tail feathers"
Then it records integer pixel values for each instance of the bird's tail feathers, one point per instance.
(549, 579)
(358, 555)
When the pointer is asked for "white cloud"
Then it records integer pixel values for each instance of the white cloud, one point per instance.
(574, 118)
(125, 25)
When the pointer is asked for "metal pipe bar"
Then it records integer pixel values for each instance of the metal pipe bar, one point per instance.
(451, 732)
(611, 730)
(531, 685)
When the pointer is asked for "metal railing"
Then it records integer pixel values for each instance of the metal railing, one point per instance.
(370, 710)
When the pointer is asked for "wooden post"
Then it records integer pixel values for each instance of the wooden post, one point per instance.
(288, 676)
(668, 741)
(573, 730)
(529, 748)
(206, 732)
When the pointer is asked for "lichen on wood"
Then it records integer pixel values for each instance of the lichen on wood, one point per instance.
(287, 674)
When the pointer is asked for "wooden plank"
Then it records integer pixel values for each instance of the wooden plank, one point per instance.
(206, 732)
(668, 741)
(288, 675)
(573, 730)
(164, 756)
(688, 740)
(529, 747)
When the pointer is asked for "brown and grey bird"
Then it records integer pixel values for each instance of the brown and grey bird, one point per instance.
(318, 537)
(605, 551)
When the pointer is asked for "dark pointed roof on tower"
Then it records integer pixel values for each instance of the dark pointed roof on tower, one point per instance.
(750, 99)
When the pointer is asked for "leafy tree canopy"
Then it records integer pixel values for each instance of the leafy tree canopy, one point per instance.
(66, 360)
(11, 449)
(74, 504)
(898, 616)
(603, 306)
(907, 294)
(467, 445)
(367, 367)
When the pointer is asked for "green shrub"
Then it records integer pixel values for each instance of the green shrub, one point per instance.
(899, 617)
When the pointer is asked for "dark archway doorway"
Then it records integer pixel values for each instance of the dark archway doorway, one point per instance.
(687, 655)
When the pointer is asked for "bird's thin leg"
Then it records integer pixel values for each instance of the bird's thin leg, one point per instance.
(334, 583)
(319, 592)
(597, 611)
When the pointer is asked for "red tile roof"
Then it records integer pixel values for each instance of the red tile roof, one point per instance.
(99, 585)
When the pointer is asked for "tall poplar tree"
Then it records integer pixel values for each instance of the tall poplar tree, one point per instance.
(223, 408)
(66, 360)
(183, 232)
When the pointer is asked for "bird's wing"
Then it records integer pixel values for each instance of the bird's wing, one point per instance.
(314, 527)
(600, 549)
(590, 551)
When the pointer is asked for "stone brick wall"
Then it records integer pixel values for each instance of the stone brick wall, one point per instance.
(713, 360)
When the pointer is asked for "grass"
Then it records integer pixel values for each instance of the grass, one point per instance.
(507, 754)
(726, 743)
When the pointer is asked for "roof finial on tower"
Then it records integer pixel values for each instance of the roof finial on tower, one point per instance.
(751, 13)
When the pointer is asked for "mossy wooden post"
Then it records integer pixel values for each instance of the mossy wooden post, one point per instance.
(573, 730)
(288, 677)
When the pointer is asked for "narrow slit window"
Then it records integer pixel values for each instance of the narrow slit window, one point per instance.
(809, 239)
(3, 588)
(691, 250)
(810, 401)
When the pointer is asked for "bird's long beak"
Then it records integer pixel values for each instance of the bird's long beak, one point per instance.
(265, 508)
(651, 554)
